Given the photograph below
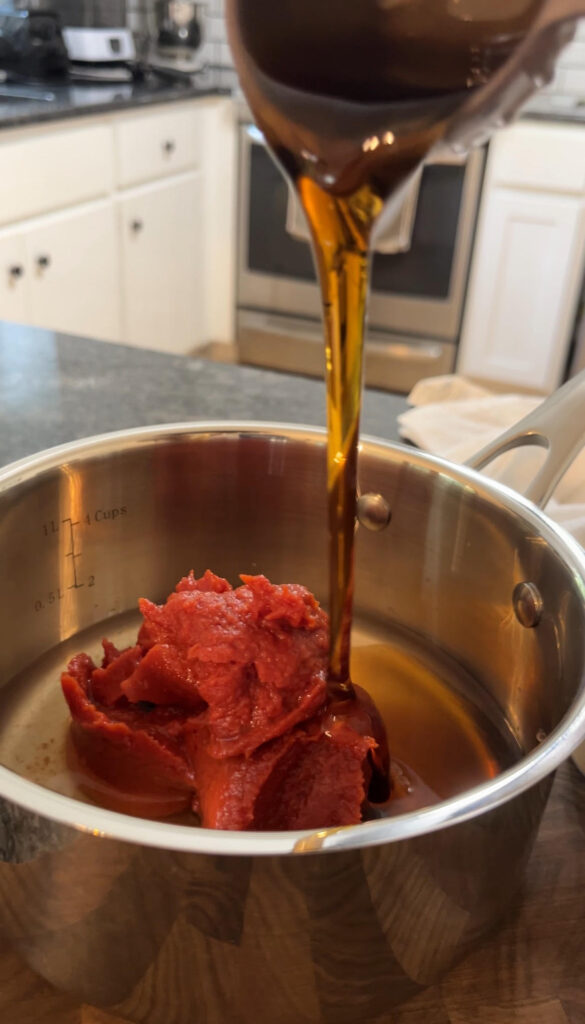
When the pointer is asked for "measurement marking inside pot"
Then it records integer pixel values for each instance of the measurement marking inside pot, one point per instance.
(101, 516)
(73, 554)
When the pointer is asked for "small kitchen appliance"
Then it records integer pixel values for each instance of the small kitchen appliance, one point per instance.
(31, 43)
(99, 45)
(179, 35)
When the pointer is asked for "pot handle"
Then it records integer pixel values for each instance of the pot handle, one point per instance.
(558, 425)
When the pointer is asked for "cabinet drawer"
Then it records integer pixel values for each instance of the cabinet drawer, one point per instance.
(52, 170)
(154, 145)
(547, 157)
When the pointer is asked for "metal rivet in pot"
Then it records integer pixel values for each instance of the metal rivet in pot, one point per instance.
(527, 604)
(373, 512)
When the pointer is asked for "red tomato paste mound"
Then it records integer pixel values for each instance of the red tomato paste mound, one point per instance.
(220, 707)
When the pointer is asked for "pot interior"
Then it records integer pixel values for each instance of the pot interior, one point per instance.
(88, 532)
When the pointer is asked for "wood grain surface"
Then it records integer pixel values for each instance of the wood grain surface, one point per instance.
(531, 972)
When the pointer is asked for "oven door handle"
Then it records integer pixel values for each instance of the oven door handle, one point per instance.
(393, 362)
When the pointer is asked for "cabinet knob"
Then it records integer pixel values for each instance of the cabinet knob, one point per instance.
(169, 146)
(137, 226)
(16, 271)
(43, 262)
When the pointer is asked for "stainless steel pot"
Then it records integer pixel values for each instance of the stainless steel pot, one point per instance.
(176, 925)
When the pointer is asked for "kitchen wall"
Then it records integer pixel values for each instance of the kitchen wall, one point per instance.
(568, 85)
(140, 16)
(216, 34)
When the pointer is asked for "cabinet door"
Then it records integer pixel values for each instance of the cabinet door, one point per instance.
(13, 277)
(162, 256)
(74, 278)
(523, 289)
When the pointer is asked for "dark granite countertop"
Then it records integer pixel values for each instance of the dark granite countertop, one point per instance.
(55, 388)
(38, 102)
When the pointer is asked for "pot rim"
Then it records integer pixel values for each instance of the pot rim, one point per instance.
(532, 769)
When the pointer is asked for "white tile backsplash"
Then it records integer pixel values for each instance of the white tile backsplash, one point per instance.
(560, 102)
(573, 56)
(207, 53)
(140, 17)
(225, 55)
(568, 85)
(574, 82)
(557, 84)
(215, 32)
(215, 29)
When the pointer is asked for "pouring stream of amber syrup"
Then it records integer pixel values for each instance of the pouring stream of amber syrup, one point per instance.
(352, 95)
(341, 230)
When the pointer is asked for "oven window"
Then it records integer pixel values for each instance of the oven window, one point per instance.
(271, 250)
(425, 270)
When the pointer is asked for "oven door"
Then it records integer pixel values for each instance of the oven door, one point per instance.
(392, 362)
(419, 272)
(275, 266)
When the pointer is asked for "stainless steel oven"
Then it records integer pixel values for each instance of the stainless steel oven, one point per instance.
(419, 273)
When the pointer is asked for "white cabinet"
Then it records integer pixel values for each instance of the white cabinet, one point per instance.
(73, 275)
(524, 288)
(528, 260)
(61, 272)
(123, 226)
(13, 277)
(547, 157)
(162, 265)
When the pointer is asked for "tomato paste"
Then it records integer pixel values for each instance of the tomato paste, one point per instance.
(220, 708)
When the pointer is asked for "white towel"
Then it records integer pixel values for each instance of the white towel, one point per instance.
(455, 418)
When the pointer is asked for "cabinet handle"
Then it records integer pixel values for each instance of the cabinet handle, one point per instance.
(137, 226)
(169, 146)
(16, 271)
(43, 262)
